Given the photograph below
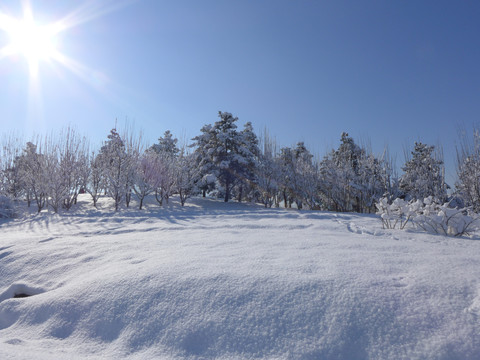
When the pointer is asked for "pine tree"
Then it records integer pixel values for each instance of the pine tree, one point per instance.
(468, 171)
(424, 174)
(226, 154)
(248, 153)
(166, 144)
(352, 179)
(205, 177)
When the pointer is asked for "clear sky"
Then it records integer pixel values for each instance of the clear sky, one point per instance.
(392, 72)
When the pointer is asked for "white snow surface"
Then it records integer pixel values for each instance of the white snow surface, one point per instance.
(233, 281)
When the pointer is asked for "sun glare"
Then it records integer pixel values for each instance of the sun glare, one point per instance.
(32, 41)
(27, 38)
(39, 42)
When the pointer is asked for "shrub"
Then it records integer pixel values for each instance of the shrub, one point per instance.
(7, 209)
(428, 215)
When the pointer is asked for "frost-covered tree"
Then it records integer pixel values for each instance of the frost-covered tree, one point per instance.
(166, 156)
(267, 177)
(352, 178)
(468, 171)
(287, 171)
(298, 181)
(73, 163)
(94, 178)
(133, 149)
(55, 186)
(185, 174)
(33, 170)
(267, 173)
(166, 144)
(248, 152)
(226, 154)
(116, 165)
(339, 170)
(147, 175)
(305, 180)
(12, 183)
(205, 178)
(424, 174)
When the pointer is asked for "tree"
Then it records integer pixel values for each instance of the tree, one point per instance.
(166, 144)
(12, 183)
(248, 152)
(166, 153)
(205, 177)
(352, 178)
(424, 174)
(267, 174)
(225, 153)
(185, 176)
(73, 162)
(147, 178)
(287, 170)
(468, 171)
(33, 170)
(94, 179)
(116, 164)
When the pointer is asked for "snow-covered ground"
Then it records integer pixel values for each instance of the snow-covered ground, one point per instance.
(233, 281)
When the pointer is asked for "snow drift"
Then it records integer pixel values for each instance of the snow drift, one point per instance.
(214, 280)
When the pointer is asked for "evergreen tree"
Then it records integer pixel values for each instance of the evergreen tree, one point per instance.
(225, 153)
(248, 152)
(424, 174)
(468, 171)
(205, 178)
(352, 179)
(166, 144)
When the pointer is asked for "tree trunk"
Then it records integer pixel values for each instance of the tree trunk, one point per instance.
(227, 190)
(160, 201)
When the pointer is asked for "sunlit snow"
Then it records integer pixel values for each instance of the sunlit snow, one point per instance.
(233, 281)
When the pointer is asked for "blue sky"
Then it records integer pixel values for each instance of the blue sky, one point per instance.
(391, 72)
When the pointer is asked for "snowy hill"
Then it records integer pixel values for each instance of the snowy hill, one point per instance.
(233, 281)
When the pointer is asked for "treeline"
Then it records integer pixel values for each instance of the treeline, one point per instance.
(226, 162)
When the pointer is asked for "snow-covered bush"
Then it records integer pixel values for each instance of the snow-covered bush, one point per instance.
(427, 215)
(7, 209)
(399, 212)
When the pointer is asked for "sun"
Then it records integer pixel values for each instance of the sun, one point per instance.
(39, 42)
(32, 41)
(35, 42)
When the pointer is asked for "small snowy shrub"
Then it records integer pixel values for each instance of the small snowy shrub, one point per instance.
(396, 213)
(427, 215)
(6, 208)
(441, 219)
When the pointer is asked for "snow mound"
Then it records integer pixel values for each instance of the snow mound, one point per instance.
(20, 291)
(234, 281)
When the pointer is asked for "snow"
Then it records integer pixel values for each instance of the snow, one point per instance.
(233, 281)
